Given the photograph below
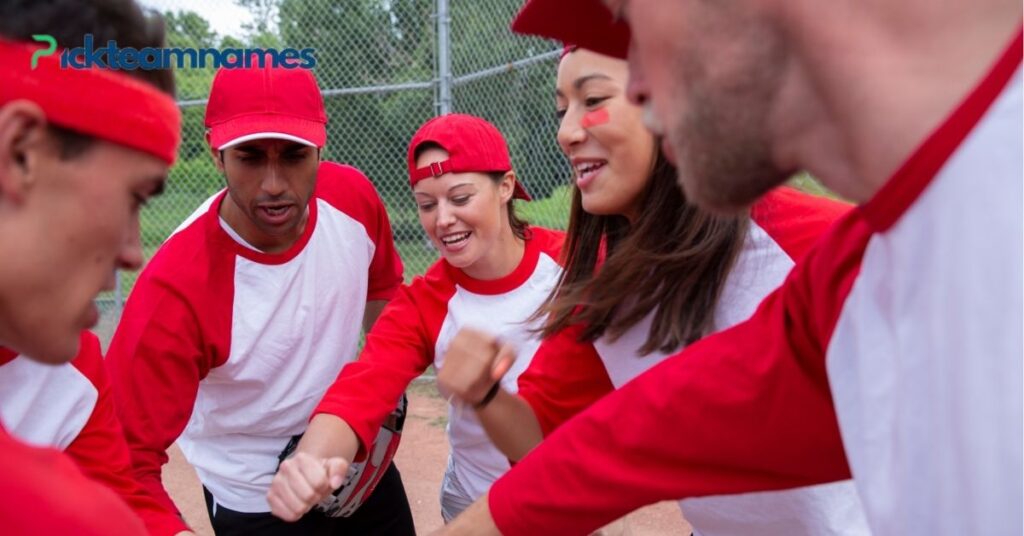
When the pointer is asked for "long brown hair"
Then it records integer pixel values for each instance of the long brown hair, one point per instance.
(674, 260)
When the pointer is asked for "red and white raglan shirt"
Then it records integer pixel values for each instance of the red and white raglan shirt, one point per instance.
(69, 407)
(566, 376)
(892, 351)
(227, 349)
(414, 332)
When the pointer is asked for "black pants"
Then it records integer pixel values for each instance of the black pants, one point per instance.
(385, 513)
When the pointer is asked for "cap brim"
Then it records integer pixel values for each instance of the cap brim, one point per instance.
(584, 23)
(263, 136)
(253, 127)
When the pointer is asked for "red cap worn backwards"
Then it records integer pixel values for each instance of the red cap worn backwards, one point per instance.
(586, 23)
(472, 144)
(248, 103)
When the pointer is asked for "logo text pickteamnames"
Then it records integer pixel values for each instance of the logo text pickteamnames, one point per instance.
(114, 57)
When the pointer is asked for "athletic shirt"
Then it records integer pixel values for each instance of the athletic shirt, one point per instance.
(892, 350)
(567, 375)
(414, 331)
(45, 493)
(69, 407)
(231, 348)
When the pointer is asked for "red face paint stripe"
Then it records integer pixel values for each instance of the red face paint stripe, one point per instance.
(592, 119)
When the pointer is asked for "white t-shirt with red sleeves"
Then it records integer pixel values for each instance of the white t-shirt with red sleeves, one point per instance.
(69, 407)
(567, 375)
(227, 349)
(892, 351)
(414, 331)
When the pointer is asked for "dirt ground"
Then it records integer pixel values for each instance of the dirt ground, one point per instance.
(421, 458)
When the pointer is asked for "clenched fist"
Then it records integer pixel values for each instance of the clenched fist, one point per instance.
(302, 482)
(474, 362)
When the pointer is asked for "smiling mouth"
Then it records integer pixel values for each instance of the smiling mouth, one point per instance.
(588, 168)
(454, 239)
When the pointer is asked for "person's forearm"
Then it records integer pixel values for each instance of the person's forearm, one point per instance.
(474, 521)
(511, 424)
(329, 436)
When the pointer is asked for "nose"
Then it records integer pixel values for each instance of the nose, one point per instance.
(274, 183)
(570, 131)
(445, 215)
(636, 87)
(130, 255)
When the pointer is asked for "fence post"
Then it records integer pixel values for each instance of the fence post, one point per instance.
(444, 60)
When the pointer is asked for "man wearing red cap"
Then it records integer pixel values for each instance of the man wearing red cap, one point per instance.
(74, 173)
(893, 350)
(248, 311)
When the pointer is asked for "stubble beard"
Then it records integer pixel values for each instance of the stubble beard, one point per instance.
(723, 140)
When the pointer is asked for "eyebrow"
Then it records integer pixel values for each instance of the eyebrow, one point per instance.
(581, 81)
(461, 184)
(584, 79)
(250, 149)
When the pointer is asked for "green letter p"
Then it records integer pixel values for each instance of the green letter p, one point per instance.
(43, 52)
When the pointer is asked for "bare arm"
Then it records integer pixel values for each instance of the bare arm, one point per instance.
(511, 425)
(475, 520)
(328, 436)
(473, 365)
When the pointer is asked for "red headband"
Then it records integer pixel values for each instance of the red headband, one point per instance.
(95, 102)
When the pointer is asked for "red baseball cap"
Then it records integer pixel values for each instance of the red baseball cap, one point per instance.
(248, 103)
(586, 23)
(472, 144)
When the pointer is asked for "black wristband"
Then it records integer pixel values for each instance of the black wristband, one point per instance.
(489, 396)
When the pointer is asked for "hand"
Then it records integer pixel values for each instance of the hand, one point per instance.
(473, 363)
(302, 482)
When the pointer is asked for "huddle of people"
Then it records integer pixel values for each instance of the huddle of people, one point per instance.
(776, 362)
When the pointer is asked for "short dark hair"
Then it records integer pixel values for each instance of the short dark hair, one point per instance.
(68, 21)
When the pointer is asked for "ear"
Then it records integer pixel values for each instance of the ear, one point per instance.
(215, 154)
(507, 186)
(23, 146)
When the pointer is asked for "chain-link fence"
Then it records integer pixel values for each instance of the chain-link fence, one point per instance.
(384, 67)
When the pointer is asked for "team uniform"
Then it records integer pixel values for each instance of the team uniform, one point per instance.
(227, 349)
(69, 407)
(413, 333)
(45, 493)
(567, 375)
(892, 351)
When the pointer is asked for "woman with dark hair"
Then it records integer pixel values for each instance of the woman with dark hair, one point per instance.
(494, 272)
(646, 273)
